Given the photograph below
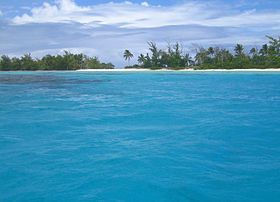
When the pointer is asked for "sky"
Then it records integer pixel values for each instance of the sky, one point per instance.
(106, 28)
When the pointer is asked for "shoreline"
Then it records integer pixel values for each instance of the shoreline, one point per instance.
(157, 70)
(181, 70)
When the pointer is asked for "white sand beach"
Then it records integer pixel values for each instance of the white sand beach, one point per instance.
(139, 70)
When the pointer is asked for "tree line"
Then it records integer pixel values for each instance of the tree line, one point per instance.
(268, 56)
(67, 61)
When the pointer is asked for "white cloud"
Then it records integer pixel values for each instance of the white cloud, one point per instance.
(128, 2)
(63, 11)
(132, 15)
(1, 13)
(126, 14)
(145, 4)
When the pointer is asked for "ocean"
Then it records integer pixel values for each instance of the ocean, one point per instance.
(139, 136)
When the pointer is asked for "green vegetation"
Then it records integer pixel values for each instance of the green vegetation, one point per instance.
(127, 55)
(68, 61)
(211, 58)
(174, 57)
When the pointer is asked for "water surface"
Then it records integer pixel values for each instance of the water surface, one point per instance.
(139, 136)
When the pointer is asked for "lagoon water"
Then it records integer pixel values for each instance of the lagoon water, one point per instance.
(140, 136)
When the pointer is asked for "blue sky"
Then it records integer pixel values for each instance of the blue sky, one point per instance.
(106, 28)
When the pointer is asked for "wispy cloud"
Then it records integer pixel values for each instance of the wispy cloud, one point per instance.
(125, 14)
(26, 7)
(143, 15)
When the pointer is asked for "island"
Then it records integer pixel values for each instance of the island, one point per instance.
(67, 61)
(174, 58)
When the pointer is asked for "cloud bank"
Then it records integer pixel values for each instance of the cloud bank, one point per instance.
(107, 29)
(131, 15)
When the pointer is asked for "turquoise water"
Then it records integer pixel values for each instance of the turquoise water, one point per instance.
(150, 136)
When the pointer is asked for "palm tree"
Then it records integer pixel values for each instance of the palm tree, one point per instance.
(155, 53)
(127, 55)
(200, 56)
(211, 51)
(188, 59)
(253, 51)
(264, 50)
(274, 45)
(141, 59)
(239, 49)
